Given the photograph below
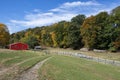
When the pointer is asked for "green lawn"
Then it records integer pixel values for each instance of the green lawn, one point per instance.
(9, 58)
(72, 68)
(28, 64)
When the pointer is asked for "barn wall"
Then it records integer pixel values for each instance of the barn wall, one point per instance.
(19, 46)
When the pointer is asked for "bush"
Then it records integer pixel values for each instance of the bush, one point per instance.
(113, 49)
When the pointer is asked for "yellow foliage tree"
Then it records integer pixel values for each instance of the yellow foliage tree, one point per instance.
(53, 36)
(4, 35)
(88, 32)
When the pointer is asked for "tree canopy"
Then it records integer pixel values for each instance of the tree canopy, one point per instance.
(101, 31)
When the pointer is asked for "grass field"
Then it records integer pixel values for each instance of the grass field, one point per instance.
(9, 58)
(18, 61)
(57, 68)
(71, 68)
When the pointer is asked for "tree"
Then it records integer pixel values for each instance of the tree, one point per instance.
(45, 37)
(88, 32)
(95, 31)
(116, 11)
(4, 35)
(30, 39)
(58, 30)
(78, 20)
(114, 22)
(66, 40)
(103, 38)
(75, 25)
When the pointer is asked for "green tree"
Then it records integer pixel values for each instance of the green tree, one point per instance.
(58, 30)
(116, 11)
(102, 27)
(76, 23)
(114, 22)
(78, 20)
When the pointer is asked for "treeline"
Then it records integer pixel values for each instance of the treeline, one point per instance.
(101, 31)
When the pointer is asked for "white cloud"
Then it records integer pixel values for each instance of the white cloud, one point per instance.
(79, 3)
(38, 15)
(63, 12)
(37, 20)
(69, 5)
(42, 19)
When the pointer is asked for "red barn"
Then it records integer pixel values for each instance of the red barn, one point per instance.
(18, 46)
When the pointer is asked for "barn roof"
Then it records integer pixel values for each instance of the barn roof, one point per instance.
(18, 43)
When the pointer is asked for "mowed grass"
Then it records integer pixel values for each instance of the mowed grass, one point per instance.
(72, 68)
(9, 58)
(30, 63)
(25, 58)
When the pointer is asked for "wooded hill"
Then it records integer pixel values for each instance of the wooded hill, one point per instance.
(101, 31)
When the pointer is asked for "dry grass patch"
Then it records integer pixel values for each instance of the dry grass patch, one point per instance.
(105, 55)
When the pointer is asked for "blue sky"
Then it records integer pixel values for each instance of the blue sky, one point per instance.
(22, 14)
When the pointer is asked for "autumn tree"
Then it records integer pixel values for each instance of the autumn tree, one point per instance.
(58, 30)
(30, 39)
(45, 37)
(66, 40)
(4, 35)
(88, 32)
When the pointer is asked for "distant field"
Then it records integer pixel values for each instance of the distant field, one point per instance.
(105, 55)
(71, 68)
